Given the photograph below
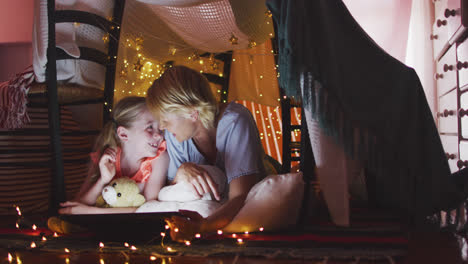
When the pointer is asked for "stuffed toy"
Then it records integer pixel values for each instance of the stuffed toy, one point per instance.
(181, 196)
(121, 192)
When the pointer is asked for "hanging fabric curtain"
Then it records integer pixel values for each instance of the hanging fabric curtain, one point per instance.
(179, 31)
(370, 103)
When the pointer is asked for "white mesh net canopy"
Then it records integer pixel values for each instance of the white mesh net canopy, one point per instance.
(155, 32)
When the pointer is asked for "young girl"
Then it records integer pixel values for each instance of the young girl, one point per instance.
(129, 145)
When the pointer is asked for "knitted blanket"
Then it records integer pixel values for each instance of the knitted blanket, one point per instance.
(13, 99)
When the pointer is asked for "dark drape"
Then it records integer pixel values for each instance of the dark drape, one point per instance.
(372, 104)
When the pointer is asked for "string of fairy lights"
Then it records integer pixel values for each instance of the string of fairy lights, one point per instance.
(137, 71)
(39, 240)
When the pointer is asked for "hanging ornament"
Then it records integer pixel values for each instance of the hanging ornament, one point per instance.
(105, 38)
(139, 43)
(123, 73)
(172, 50)
(138, 65)
(214, 65)
(268, 13)
(195, 56)
(233, 40)
(252, 44)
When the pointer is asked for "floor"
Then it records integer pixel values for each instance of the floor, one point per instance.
(425, 247)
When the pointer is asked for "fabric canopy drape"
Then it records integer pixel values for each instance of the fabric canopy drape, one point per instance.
(179, 31)
(369, 102)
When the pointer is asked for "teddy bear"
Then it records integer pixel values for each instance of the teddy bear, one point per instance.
(182, 196)
(121, 192)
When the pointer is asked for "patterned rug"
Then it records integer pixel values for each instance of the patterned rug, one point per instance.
(375, 239)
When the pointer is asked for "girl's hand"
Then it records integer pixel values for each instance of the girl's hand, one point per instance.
(200, 179)
(187, 226)
(74, 208)
(107, 165)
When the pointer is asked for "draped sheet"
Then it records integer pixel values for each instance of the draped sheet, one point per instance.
(371, 104)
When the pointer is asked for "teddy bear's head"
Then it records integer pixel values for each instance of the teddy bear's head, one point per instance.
(122, 192)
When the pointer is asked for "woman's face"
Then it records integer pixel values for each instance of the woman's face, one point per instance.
(145, 135)
(182, 126)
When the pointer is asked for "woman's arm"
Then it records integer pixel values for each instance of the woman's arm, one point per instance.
(238, 190)
(158, 177)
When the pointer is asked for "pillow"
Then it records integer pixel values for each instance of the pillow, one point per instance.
(272, 203)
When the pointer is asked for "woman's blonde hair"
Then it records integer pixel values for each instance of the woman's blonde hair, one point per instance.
(125, 112)
(180, 90)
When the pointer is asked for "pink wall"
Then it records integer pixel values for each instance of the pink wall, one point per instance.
(16, 20)
(386, 22)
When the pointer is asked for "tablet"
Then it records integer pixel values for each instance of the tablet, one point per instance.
(122, 226)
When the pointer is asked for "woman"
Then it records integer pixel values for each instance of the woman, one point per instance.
(199, 131)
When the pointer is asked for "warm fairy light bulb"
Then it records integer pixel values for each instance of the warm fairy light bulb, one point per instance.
(240, 241)
(163, 234)
(101, 245)
(197, 235)
(133, 247)
(220, 232)
(10, 257)
(17, 225)
(66, 250)
(55, 234)
(234, 235)
(44, 238)
(126, 244)
(176, 229)
(246, 232)
(169, 249)
(18, 260)
(153, 258)
(166, 226)
(18, 210)
(33, 245)
(67, 261)
(261, 229)
(101, 261)
(34, 227)
(187, 243)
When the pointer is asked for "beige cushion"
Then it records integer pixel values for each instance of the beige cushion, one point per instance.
(273, 204)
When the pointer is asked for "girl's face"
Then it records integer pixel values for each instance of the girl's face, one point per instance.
(144, 135)
(182, 126)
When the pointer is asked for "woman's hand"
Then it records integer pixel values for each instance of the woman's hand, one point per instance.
(107, 165)
(185, 227)
(74, 208)
(199, 178)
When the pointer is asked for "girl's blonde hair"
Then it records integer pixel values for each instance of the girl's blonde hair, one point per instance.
(125, 112)
(180, 90)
